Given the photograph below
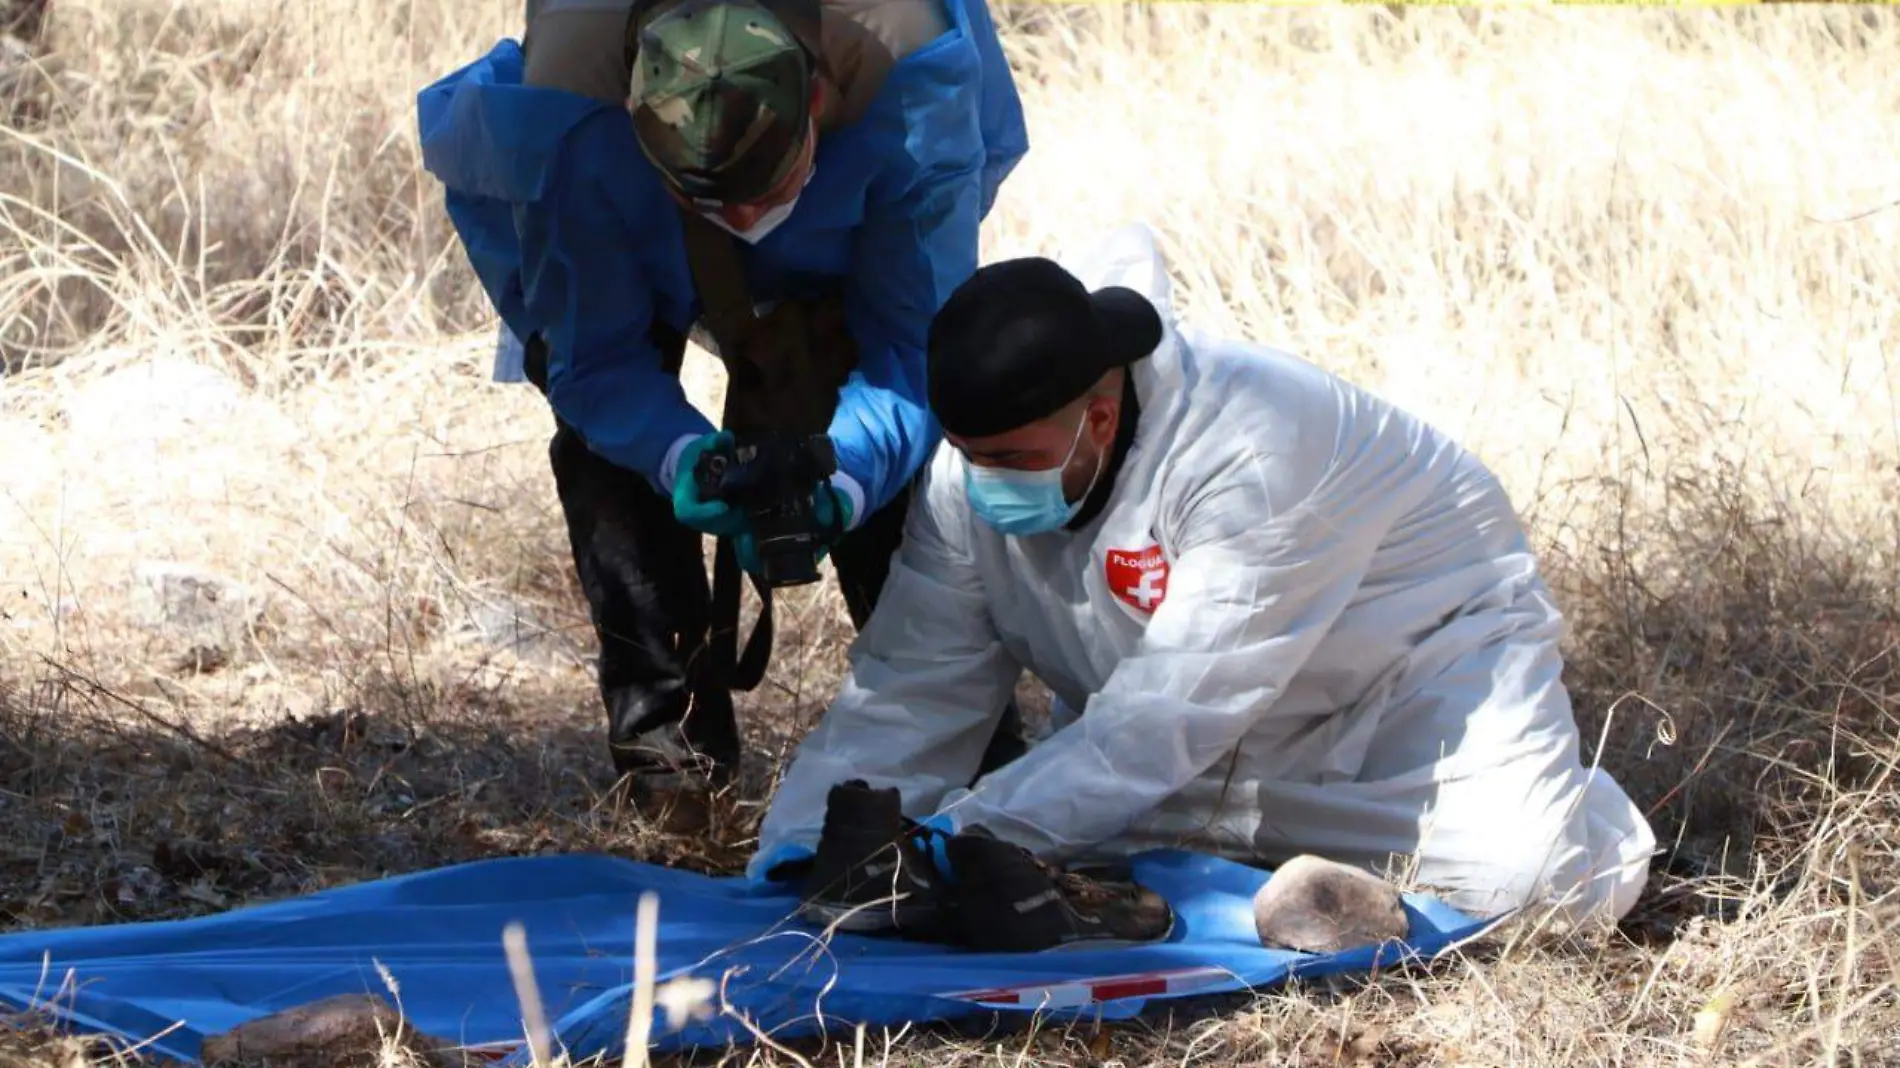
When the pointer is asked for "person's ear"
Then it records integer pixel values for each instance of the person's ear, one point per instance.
(1102, 417)
(820, 100)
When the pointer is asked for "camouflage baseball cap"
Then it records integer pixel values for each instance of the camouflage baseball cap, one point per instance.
(721, 95)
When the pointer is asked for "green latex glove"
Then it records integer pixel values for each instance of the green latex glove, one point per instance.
(830, 508)
(717, 518)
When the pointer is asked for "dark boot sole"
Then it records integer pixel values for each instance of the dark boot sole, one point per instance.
(869, 918)
(1081, 944)
(1101, 942)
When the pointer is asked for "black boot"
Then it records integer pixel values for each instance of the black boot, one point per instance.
(669, 731)
(872, 870)
(1007, 901)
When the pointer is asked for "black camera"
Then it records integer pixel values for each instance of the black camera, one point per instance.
(771, 478)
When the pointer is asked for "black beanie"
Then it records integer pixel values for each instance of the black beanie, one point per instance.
(1022, 338)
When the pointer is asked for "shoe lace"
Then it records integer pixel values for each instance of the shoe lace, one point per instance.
(922, 833)
(1081, 888)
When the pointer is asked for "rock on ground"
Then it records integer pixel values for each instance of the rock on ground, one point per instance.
(508, 624)
(347, 1029)
(207, 616)
(1312, 905)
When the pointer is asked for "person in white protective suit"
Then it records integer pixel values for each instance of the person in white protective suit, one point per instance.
(1294, 618)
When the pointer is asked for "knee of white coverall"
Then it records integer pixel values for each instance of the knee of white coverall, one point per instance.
(1585, 861)
(1620, 845)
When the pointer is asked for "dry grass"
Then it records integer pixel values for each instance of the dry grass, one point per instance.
(1645, 261)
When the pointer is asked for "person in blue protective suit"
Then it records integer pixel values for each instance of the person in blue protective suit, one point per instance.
(765, 176)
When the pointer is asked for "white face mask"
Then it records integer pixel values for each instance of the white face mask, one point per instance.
(768, 222)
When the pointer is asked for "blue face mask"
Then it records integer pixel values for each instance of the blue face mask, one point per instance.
(1025, 502)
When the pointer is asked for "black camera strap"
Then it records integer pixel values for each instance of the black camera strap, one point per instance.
(783, 373)
(726, 306)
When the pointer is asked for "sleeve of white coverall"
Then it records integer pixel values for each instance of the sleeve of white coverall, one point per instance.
(1248, 597)
(926, 687)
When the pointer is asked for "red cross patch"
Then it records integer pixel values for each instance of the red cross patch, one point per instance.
(1139, 578)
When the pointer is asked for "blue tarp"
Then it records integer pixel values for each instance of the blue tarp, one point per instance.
(438, 933)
